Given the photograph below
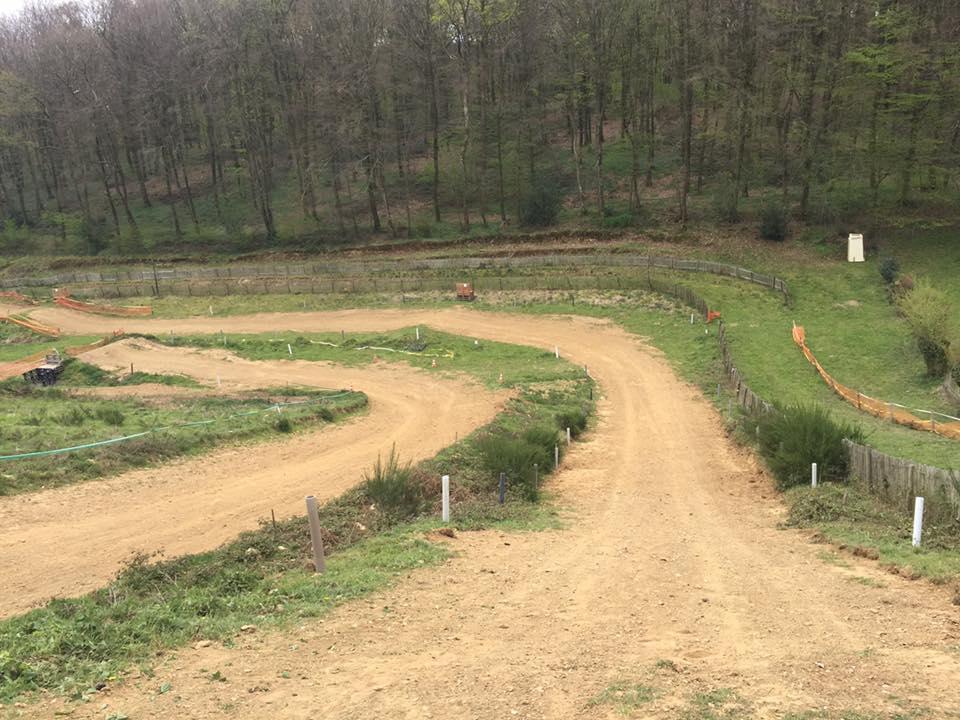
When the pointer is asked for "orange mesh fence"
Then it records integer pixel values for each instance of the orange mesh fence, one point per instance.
(890, 411)
(32, 325)
(14, 296)
(131, 311)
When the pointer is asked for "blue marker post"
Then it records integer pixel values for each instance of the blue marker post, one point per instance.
(503, 487)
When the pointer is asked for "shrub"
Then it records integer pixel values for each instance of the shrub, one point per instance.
(76, 415)
(541, 204)
(773, 222)
(516, 457)
(725, 205)
(393, 487)
(576, 420)
(621, 220)
(795, 437)
(927, 310)
(889, 269)
(111, 416)
(284, 425)
(325, 414)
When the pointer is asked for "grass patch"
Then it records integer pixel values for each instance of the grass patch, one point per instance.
(35, 419)
(718, 704)
(850, 517)
(625, 697)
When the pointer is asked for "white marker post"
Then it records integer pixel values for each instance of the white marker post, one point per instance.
(445, 481)
(813, 474)
(568, 436)
(691, 318)
(289, 349)
(556, 351)
(316, 539)
(917, 521)
(211, 309)
(556, 456)
(418, 333)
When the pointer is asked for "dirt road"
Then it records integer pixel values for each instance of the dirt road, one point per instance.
(672, 575)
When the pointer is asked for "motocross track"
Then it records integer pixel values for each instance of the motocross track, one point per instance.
(672, 552)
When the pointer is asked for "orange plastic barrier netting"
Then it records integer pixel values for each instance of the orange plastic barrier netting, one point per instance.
(132, 311)
(877, 408)
(14, 296)
(32, 325)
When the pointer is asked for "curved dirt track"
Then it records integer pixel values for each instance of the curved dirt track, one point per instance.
(73, 539)
(672, 554)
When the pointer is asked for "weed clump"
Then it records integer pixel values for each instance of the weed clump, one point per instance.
(284, 425)
(393, 487)
(576, 420)
(799, 435)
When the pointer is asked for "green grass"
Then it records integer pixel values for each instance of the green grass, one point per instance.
(625, 697)
(36, 419)
(718, 704)
(848, 516)
(70, 645)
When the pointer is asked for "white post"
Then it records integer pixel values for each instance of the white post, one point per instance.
(691, 318)
(418, 333)
(211, 309)
(917, 521)
(316, 539)
(813, 474)
(568, 436)
(445, 481)
(289, 349)
(556, 351)
(556, 456)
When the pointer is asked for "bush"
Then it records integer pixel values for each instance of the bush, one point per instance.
(889, 269)
(725, 205)
(541, 204)
(933, 324)
(795, 437)
(576, 420)
(621, 220)
(284, 425)
(516, 457)
(111, 416)
(325, 414)
(393, 487)
(773, 222)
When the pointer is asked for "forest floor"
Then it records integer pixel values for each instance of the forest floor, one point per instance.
(673, 590)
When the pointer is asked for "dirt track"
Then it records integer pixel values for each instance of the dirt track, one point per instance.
(196, 504)
(672, 553)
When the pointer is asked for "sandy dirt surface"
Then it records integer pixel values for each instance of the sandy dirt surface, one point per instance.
(196, 504)
(672, 556)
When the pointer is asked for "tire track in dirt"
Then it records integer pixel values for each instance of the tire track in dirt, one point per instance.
(673, 552)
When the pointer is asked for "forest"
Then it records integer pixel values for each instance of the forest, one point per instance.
(132, 126)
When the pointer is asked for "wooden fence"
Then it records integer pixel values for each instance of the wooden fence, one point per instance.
(895, 480)
(898, 482)
(351, 276)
